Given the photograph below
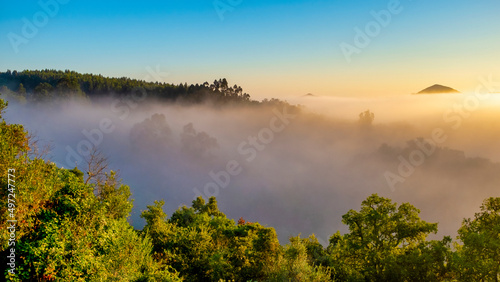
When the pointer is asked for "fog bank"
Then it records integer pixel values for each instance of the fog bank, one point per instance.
(297, 172)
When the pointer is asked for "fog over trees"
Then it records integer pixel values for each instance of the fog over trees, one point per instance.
(147, 181)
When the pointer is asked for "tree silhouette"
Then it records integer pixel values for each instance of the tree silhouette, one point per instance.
(366, 118)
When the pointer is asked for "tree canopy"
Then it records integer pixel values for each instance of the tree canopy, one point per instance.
(39, 85)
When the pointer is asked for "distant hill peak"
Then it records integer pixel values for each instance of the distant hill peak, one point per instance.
(309, 95)
(438, 89)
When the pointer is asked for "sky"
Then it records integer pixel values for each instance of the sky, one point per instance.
(270, 48)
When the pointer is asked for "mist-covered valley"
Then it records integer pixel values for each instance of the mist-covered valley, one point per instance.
(360, 142)
(297, 169)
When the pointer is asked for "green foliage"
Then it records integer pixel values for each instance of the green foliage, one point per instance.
(6, 93)
(295, 263)
(203, 245)
(77, 236)
(3, 105)
(64, 231)
(385, 242)
(428, 261)
(479, 257)
(43, 91)
(78, 173)
(115, 197)
(21, 90)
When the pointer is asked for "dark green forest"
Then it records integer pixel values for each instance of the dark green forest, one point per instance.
(71, 226)
(44, 85)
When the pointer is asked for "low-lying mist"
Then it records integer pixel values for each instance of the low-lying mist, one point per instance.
(297, 172)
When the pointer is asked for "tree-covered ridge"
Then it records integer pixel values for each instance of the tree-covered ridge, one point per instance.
(45, 84)
(72, 229)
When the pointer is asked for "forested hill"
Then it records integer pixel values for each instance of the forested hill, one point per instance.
(38, 85)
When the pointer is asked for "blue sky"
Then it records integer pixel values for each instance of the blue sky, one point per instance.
(271, 48)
